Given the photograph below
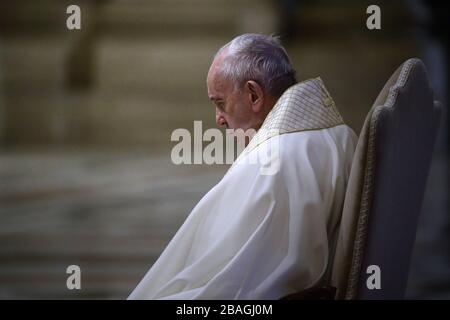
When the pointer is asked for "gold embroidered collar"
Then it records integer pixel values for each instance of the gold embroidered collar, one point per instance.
(304, 106)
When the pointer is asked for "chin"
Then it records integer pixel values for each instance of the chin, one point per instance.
(244, 128)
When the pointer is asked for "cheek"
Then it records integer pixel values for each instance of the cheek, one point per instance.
(236, 112)
(241, 112)
(234, 108)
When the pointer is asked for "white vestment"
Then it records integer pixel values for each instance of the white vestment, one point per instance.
(263, 236)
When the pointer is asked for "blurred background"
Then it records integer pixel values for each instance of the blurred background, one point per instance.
(86, 117)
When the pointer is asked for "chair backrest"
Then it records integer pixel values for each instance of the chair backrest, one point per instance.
(386, 187)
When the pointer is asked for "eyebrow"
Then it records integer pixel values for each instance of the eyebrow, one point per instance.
(215, 98)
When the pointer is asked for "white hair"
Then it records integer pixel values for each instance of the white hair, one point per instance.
(260, 58)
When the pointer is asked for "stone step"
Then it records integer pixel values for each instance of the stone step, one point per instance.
(202, 17)
(136, 17)
(110, 212)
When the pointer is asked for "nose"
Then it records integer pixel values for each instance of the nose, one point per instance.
(220, 120)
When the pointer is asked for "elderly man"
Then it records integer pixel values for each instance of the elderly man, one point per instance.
(257, 235)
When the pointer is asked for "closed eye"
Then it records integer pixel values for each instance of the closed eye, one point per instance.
(219, 104)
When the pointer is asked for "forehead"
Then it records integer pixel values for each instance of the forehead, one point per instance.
(218, 87)
(217, 84)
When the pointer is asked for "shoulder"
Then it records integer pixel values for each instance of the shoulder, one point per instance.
(313, 141)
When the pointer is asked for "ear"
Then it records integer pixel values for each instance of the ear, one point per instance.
(255, 95)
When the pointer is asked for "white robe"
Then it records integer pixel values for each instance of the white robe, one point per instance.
(259, 236)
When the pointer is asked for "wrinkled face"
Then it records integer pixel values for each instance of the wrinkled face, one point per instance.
(232, 107)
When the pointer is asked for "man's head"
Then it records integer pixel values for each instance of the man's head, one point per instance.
(246, 78)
